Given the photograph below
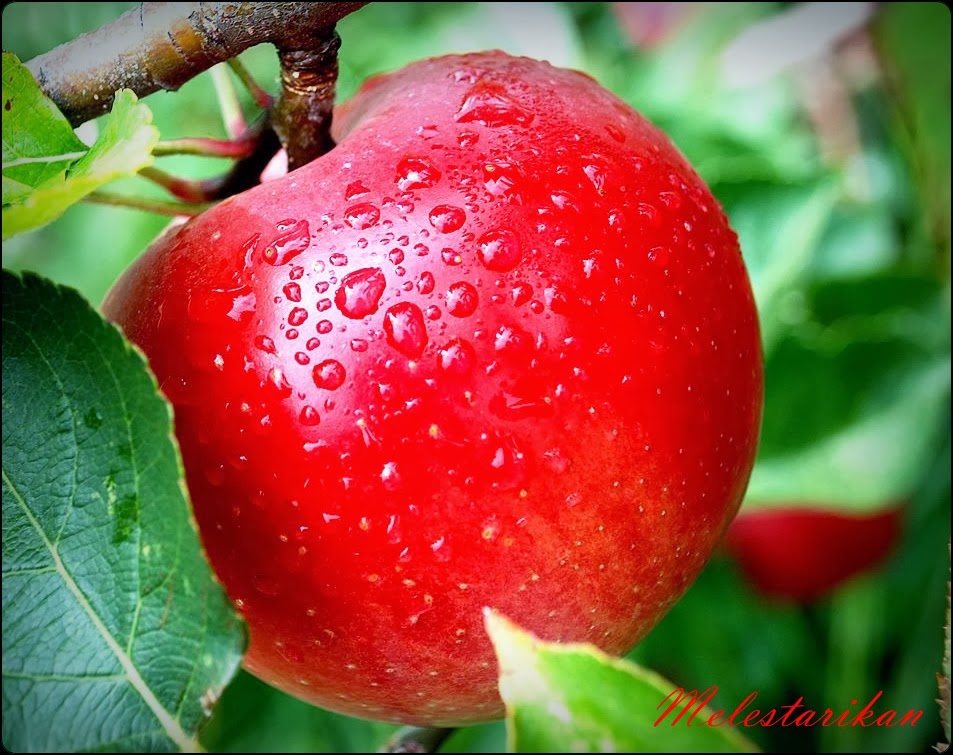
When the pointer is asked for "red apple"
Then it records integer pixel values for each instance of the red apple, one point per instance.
(803, 553)
(497, 348)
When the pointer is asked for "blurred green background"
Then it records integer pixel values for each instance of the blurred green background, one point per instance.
(824, 130)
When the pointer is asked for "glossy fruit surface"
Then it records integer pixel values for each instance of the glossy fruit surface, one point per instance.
(497, 348)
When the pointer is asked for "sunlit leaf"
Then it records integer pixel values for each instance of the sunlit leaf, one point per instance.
(575, 698)
(45, 167)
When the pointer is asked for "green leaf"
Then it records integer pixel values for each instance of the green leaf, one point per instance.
(575, 698)
(46, 168)
(115, 634)
(38, 142)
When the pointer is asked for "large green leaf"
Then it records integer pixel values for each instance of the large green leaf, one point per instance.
(45, 167)
(115, 635)
(574, 698)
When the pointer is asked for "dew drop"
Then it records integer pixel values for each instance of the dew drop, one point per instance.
(312, 344)
(451, 256)
(462, 299)
(396, 256)
(432, 312)
(456, 357)
(302, 358)
(358, 345)
(361, 216)
(292, 291)
(671, 199)
(615, 132)
(467, 139)
(499, 250)
(405, 329)
(489, 103)
(390, 476)
(511, 340)
(289, 245)
(325, 327)
(416, 173)
(323, 305)
(338, 259)
(425, 283)
(329, 374)
(501, 180)
(446, 218)
(521, 293)
(298, 316)
(309, 416)
(360, 292)
(597, 177)
(264, 343)
(354, 190)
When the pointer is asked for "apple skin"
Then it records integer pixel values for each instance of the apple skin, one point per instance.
(497, 348)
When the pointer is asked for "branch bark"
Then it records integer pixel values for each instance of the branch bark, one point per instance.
(163, 45)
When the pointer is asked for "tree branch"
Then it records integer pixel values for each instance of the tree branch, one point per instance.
(163, 45)
(302, 117)
(417, 739)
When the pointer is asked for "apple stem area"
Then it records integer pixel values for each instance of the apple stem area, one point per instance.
(171, 43)
(417, 739)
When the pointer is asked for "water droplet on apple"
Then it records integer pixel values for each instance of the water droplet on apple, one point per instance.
(432, 312)
(489, 103)
(289, 245)
(338, 259)
(616, 133)
(502, 180)
(264, 343)
(298, 316)
(416, 173)
(648, 212)
(360, 292)
(309, 416)
(671, 199)
(405, 329)
(425, 283)
(329, 374)
(511, 340)
(462, 299)
(354, 190)
(396, 256)
(312, 344)
(456, 357)
(324, 327)
(302, 358)
(521, 293)
(323, 305)
(467, 139)
(563, 200)
(362, 216)
(555, 461)
(596, 174)
(390, 476)
(451, 256)
(446, 218)
(499, 250)
(292, 291)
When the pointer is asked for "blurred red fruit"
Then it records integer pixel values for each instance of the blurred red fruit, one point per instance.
(803, 554)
